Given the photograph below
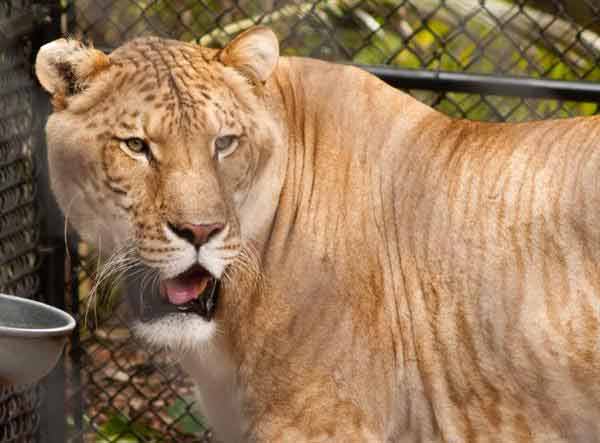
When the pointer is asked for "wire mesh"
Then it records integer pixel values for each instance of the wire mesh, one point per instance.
(120, 392)
(555, 39)
(552, 38)
(19, 414)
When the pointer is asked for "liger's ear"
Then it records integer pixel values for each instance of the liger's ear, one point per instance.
(63, 65)
(254, 53)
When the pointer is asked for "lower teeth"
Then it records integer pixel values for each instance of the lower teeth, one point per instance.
(204, 304)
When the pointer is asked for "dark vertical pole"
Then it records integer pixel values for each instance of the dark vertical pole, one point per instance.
(53, 418)
(53, 423)
(76, 353)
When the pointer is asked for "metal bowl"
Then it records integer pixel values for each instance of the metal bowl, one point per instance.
(32, 337)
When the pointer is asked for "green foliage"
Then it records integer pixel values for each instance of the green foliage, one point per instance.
(186, 422)
(392, 32)
(120, 429)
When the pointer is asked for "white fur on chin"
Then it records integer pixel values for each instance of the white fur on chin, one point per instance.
(177, 332)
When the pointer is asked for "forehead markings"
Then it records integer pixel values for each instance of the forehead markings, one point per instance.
(182, 118)
(185, 72)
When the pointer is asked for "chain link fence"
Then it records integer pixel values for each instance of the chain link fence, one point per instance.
(118, 391)
(556, 39)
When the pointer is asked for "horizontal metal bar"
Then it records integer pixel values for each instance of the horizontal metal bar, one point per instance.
(443, 81)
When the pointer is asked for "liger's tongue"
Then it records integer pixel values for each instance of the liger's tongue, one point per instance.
(185, 288)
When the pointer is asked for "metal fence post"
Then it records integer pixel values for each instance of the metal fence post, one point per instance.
(53, 424)
(76, 352)
(53, 428)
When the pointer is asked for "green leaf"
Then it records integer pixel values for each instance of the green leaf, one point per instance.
(187, 422)
(589, 108)
(119, 429)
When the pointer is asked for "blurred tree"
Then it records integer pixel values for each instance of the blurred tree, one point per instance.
(583, 12)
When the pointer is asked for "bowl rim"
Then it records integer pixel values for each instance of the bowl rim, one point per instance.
(7, 331)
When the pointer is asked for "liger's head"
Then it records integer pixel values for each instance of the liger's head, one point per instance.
(157, 155)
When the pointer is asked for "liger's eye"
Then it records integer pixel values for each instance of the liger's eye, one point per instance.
(225, 144)
(136, 145)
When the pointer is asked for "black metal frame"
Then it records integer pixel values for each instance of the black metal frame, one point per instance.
(440, 81)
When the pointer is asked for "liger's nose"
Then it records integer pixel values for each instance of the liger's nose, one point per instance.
(197, 235)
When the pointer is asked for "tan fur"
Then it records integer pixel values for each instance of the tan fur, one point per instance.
(65, 66)
(406, 277)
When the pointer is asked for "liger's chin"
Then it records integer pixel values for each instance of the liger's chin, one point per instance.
(176, 313)
(176, 332)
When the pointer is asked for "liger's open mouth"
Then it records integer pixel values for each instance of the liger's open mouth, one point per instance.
(194, 291)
